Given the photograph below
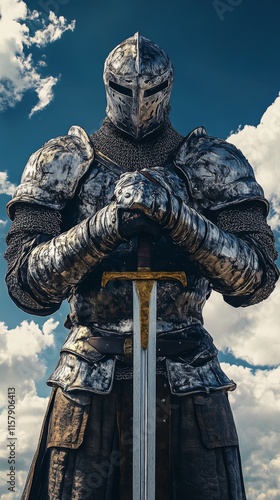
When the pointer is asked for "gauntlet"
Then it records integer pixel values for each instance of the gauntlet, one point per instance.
(232, 266)
(230, 263)
(55, 266)
(150, 192)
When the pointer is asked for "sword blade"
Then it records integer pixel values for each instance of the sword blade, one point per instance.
(144, 401)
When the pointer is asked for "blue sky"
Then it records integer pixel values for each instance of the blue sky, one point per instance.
(227, 78)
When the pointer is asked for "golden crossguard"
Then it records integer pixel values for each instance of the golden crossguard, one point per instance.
(144, 279)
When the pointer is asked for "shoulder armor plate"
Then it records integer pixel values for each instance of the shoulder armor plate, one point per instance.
(217, 173)
(52, 173)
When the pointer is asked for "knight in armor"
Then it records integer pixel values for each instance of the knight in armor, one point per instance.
(77, 212)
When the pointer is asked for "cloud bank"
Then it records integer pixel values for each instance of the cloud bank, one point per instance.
(21, 366)
(6, 187)
(256, 406)
(251, 333)
(261, 146)
(20, 31)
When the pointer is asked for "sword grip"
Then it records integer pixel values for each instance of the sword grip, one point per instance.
(144, 252)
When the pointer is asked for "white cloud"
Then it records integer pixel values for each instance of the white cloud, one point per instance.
(261, 146)
(20, 29)
(256, 407)
(20, 348)
(30, 412)
(45, 93)
(6, 187)
(21, 365)
(52, 32)
(250, 333)
(26, 340)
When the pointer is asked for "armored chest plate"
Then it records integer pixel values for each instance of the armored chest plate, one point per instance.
(97, 188)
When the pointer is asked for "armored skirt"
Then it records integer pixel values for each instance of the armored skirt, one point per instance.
(86, 447)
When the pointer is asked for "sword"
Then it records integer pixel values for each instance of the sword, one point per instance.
(144, 365)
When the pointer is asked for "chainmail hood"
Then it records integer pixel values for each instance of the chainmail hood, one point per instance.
(130, 154)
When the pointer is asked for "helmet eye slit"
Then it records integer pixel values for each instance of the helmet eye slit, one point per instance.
(156, 89)
(120, 88)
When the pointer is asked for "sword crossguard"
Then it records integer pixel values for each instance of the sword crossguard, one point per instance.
(144, 280)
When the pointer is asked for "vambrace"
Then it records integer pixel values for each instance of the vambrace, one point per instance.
(232, 265)
(55, 266)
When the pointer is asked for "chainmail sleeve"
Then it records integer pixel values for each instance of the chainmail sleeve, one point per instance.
(32, 225)
(248, 222)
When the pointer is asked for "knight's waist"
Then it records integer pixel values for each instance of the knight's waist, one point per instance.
(91, 343)
(118, 345)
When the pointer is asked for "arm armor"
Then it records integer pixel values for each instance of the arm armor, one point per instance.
(43, 264)
(239, 265)
(233, 246)
(42, 273)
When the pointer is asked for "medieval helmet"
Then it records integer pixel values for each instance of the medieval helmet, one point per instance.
(138, 77)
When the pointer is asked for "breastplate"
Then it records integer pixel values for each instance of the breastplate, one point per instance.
(111, 307)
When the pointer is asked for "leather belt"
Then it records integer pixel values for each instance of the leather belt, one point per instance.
(123, 345)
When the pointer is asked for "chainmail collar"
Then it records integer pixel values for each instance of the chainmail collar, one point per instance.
(131, 155)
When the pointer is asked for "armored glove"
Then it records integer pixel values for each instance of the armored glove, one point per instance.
(232, 266)
(150, 192)
(55, 266)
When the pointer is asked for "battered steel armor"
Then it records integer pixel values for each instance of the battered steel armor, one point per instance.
(76, 213)
(71, 264)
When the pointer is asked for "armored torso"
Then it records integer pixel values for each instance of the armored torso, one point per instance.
(111, 308)
(72, 178)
